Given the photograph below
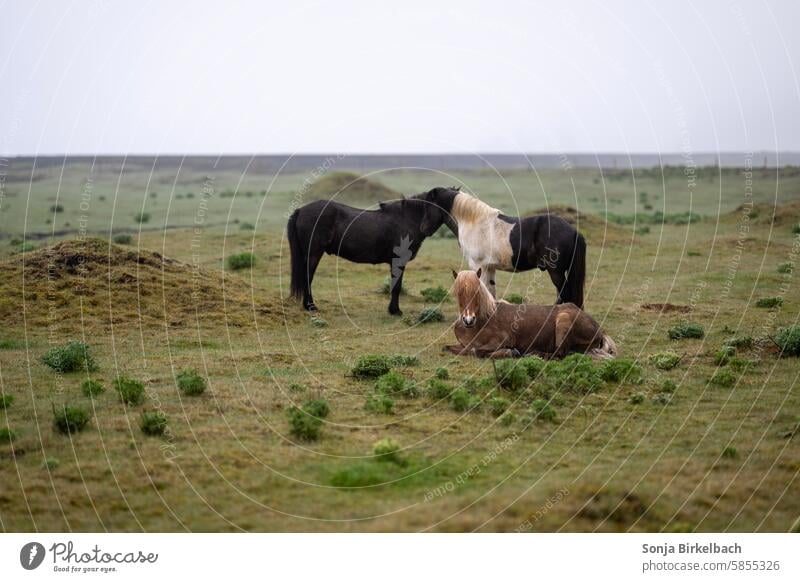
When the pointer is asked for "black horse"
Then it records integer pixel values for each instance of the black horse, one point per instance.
(491, 240)
(392, 234)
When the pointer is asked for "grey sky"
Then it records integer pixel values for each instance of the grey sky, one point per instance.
(363, 77)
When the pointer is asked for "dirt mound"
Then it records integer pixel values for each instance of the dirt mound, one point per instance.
(590, 225)
(91, 282)
(351, 189)
(763, 213)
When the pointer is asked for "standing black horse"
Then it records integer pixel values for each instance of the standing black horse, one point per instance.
(491, 240)
(392, 234)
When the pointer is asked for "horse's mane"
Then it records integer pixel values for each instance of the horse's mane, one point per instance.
(468, 286)
(467, 208)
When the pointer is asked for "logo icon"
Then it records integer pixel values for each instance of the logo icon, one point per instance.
(31, 555)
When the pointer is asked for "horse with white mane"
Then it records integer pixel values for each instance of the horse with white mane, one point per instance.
(498, 329)
(491, 240)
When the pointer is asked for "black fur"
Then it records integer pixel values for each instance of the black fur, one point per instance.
(392, 234)
(545, 241)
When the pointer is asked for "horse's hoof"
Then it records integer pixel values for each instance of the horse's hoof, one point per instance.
(396, 312)
(311, 307)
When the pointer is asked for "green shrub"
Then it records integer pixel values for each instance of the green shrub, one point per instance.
(246, 226)
(395, 384)
(668, 386)
(190, 382)
(462, 401)
(498, 405)
(51, 463)
(769, 302)
(665, 360)
(788, 340)
(371, 366)
(642, 230)
(515, 298)
(122, 239)
(25, 247)
(740, 343)
(379, 403)
(402, 361)
(387, 449)
(6, 400)
(621, 370)
(430, 315)
(796, 228)
(785, 268)
(723, 378)
(442, 374)
(541, 410)
(70, 419)
(694, 254)
(724, 354)
(637, 398)
(686, 330)
(317, 321)
(302, 425)
(130, 391)
(730, 452)
(71, 357)
(662, 398)
(7, 436)
(241, 261)
(56, 208)
(576, 373)
(533, 365)
(438, 389)
(434, 294)
(153, 423)
(92, 388)
(511, 375)
(141, 217)
(741, 365)
(317, 408)
(507, 419)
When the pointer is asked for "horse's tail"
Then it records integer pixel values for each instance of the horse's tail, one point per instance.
(573, 288)
(298, 256)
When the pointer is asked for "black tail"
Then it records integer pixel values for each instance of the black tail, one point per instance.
(299, 270)
(573, 288)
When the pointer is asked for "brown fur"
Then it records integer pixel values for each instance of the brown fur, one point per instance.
(502, 329)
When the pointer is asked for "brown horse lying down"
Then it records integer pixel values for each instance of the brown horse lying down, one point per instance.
(498, 329)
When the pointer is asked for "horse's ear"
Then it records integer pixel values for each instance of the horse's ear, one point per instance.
(382, 205)
(479, 271)
(455, 275)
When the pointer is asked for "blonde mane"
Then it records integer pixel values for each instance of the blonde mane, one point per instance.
(468, 288)
(467, 208)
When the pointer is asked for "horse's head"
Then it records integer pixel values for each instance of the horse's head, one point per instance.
(438, 204)
(474, 299)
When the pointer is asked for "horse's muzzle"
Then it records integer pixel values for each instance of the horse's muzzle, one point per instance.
(468, 320)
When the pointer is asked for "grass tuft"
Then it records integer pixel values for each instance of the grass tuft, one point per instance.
(665, 360)
(70, 419)
(131, 391)
(153, 423)
(241, 261)
(190, 382)
(70, 357)
(686, 331)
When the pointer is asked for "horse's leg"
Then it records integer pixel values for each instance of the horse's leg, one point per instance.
(313, 262)
(563, 326)
(397, 286)
(487, 276)
(558, 279)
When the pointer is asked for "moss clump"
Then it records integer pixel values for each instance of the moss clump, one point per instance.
(430, 315)
(515, 298)
(371, 366)
(621, 370)
(379, 404)
(434, 294)
(769, 302)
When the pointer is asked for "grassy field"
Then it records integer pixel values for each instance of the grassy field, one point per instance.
(630, 456)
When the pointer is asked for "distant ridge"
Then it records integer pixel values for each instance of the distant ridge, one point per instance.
(362, 162)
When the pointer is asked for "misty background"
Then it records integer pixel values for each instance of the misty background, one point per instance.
(412, 77)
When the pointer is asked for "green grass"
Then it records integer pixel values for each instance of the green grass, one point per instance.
(234, 447)
(686, 331)
(71, 357)
(240, 261)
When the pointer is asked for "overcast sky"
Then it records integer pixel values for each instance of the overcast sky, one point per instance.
(409, 77)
